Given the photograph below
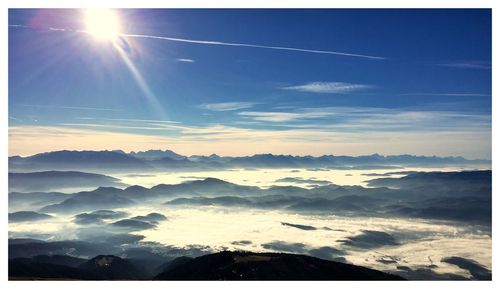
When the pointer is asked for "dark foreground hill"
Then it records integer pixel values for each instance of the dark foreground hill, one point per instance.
(268, 266)
(109, 267)
(219, 266)
(59, 267)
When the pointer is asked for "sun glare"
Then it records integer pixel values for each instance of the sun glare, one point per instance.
(103, 24)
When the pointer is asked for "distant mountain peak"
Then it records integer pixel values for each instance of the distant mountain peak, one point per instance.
(212, 181)
(153, 154)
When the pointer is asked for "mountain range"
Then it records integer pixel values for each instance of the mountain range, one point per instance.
(106, 161)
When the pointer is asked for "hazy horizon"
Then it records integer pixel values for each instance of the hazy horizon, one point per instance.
(242, 155)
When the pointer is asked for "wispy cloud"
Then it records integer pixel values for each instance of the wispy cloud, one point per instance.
(229, 140)
(362, 119)
(271, 116)
(115, 126)
(226, 106)
(129, 120)
(67, 107)
(286, 116)
(188, 60)
(328, 87)
(446, 94)
(468, 65)
(316, 130)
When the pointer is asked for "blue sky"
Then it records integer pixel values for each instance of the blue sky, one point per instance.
(413, 81)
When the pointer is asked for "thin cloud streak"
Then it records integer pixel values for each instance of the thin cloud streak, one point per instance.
(339, 119)
(328, 87)
(67, 107)
(447, 94)
(361, 119)
(130, 120)
(282, 116)
(110, 126)
(349, 120)
(467, 65)
(188, 60)
(226, 106)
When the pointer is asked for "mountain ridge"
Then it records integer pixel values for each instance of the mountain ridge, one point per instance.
(240, 265)
(98, 161)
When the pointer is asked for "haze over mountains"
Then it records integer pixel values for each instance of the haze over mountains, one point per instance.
(423, 195)
(153, 160)
(50, 180)
(91, 216)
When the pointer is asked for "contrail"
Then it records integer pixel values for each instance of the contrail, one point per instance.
(209, 42)
(68, 107)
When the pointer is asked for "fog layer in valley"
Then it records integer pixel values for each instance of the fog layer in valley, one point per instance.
(419, 222)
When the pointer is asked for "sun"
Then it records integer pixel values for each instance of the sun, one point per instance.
(103, 24)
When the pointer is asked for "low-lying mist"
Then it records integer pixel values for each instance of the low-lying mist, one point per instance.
(417, 224)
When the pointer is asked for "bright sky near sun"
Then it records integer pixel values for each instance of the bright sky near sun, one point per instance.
(104, 24)
(238, 82)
